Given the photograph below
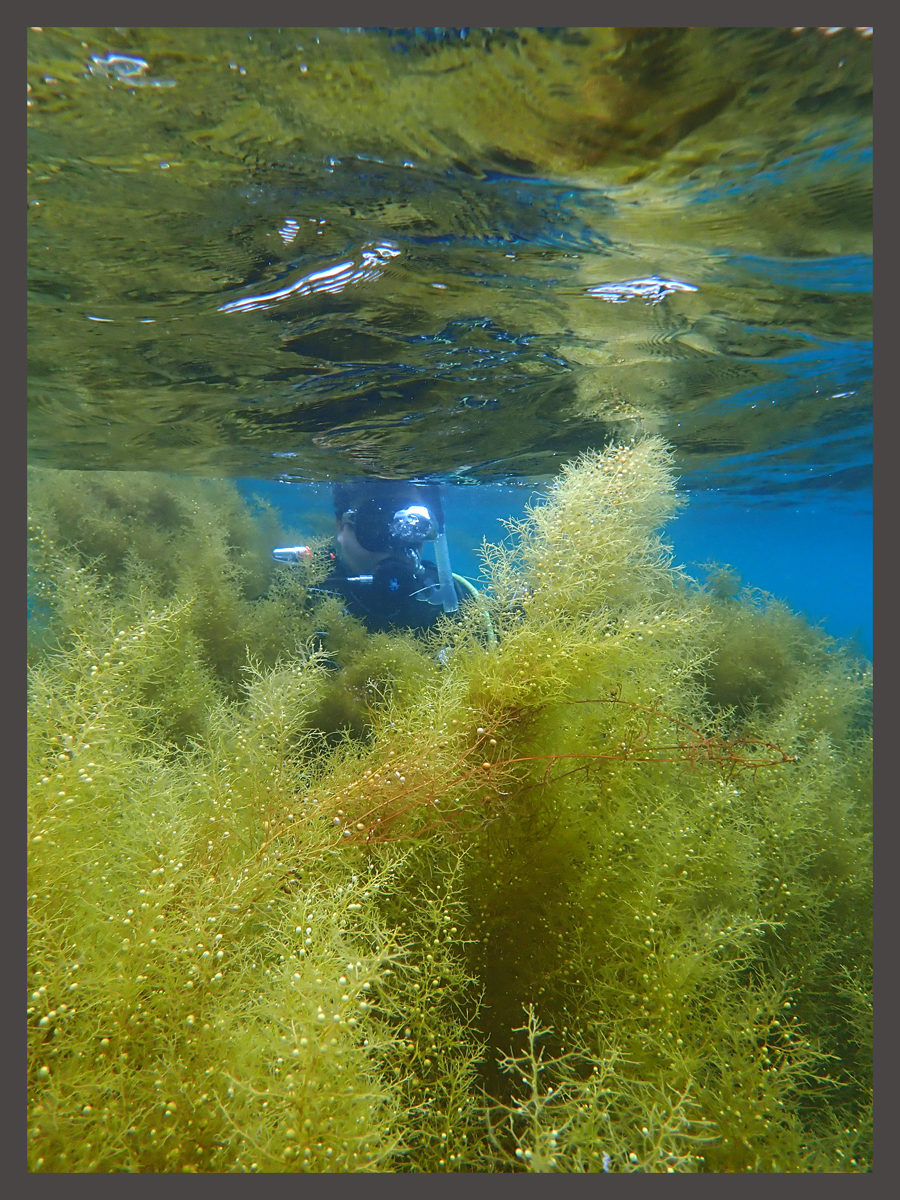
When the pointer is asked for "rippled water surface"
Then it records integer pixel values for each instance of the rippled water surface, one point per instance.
(466, 254)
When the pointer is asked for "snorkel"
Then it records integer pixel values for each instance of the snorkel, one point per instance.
(444, 593)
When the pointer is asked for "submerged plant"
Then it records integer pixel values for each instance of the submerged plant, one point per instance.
(292, 887)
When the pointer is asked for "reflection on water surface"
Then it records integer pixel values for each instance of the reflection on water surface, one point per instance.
(388, 251)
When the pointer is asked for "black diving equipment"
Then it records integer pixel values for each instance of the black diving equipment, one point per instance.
(400, 533)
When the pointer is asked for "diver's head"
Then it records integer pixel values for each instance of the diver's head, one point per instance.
(381, 518)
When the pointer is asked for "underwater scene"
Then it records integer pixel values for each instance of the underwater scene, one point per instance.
(449, 600)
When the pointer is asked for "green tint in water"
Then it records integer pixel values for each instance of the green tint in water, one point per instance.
(592, 896)
(511, 171)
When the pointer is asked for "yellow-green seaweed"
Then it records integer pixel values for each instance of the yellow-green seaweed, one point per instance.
(594, 896)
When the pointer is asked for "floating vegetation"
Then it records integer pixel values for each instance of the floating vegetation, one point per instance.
(592, 895)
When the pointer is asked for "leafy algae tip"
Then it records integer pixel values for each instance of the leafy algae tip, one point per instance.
(580, 881)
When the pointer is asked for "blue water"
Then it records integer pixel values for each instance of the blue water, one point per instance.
(812, 552)
(816, 555)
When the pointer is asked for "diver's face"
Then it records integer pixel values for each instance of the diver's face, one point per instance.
(357, 558)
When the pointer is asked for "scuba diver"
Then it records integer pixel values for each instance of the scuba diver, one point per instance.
(377, 566)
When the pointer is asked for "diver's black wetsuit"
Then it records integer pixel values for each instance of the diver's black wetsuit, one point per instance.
(388, 602)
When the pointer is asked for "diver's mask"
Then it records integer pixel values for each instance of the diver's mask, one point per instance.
(379, 528)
